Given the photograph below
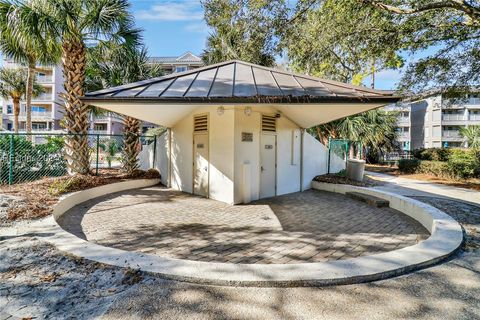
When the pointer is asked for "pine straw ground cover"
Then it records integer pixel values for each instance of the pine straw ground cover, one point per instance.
(342, 179)
(38, 197)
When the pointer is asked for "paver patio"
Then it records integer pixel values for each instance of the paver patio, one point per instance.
(311, 226)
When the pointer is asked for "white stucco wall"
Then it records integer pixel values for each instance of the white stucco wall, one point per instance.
(288, 174)
(247, 152)
(221, 137)
(228, 153)
(315, 160)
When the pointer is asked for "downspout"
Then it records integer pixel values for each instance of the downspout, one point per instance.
(169, 158)
(302, 132)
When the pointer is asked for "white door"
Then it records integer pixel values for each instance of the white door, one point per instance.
(200, 164)
(268, 160)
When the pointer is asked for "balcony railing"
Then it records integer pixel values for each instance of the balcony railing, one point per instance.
(461, 102)
(475, 117)
(44, 79)
(451, 134)
(100, 131)
(453, 117)
(35, 115)
(403, 135)
(403, 120)
(43, 97)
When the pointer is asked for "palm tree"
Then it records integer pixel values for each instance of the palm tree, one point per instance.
(374, 129)
(74, 23)
(113, 65)
(26, 49)
(13, 86)
(110, 148)
(472, 134)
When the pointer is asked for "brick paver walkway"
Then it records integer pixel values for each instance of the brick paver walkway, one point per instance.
(311, 226)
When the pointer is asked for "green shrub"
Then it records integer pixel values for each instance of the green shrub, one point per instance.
(432, 154)
(464, 164)
(434, 168)
(408, 165)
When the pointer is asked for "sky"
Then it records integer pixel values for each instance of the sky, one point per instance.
(172, 27)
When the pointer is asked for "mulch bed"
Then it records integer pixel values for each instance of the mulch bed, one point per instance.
(338, 179)
(39, 196)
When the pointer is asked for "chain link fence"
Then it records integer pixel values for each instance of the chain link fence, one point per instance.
(29, 157)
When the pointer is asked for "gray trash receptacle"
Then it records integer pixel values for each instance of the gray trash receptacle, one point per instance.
(355, 169)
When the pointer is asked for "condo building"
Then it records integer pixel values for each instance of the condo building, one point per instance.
(434, 121)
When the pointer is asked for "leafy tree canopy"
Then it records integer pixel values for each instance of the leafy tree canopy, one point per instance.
(243, 30)
(445, 32)
(342, 40)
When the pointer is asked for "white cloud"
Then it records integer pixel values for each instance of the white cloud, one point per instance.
(197, 27)
(172, 11)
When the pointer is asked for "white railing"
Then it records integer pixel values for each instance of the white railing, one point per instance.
(44, 79)
(451, 134)
(43, 97)
(109, 115)
(453, 117)
(36, 114)
(100, 132)
(403, 120)
(473, 101)
(403, 135)
(475, 117)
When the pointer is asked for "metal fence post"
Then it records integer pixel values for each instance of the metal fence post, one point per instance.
(11, 159)
(154, 151)
(98, 148)
(329, 156)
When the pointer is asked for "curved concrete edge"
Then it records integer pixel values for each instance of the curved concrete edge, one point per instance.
(446, 237)
(70, 200)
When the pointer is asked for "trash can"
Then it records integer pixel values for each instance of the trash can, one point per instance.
(355, 169)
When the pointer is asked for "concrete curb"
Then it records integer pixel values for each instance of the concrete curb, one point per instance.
(446, 237)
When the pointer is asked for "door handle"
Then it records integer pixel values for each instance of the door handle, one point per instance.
(206, 169)
(261, 168)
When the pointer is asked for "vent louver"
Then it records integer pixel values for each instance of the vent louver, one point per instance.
(200, 123)
(269, 123)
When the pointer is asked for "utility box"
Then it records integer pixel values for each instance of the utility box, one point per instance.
(355, 169)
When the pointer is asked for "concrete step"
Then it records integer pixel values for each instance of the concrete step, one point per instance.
(371, 200)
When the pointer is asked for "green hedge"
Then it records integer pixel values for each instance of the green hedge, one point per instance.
(459, 164)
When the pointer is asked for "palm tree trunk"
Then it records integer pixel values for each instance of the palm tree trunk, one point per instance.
(16, 113)
(131, 148)
(28, 97)
(76, 112)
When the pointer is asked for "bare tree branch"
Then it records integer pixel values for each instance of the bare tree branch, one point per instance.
(460, 5)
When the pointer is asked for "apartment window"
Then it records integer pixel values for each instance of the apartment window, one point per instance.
(100, 127)
(38, 109)
(405, 114)
(39, 126)
(180, 69)
(406, 129)
(9, 126)
(9, 109)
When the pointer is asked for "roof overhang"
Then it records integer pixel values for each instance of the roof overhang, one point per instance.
(304, 115)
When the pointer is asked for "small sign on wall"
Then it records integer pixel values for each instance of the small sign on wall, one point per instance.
(200, 145)
(268, 146)
(247, 137)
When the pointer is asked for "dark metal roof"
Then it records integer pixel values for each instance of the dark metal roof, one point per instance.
(237, 82)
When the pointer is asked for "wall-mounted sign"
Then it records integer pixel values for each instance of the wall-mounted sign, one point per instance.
(200, 145)
(247, 137)
(268, 146)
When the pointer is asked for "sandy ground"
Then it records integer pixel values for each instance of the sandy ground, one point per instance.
(38, 281)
